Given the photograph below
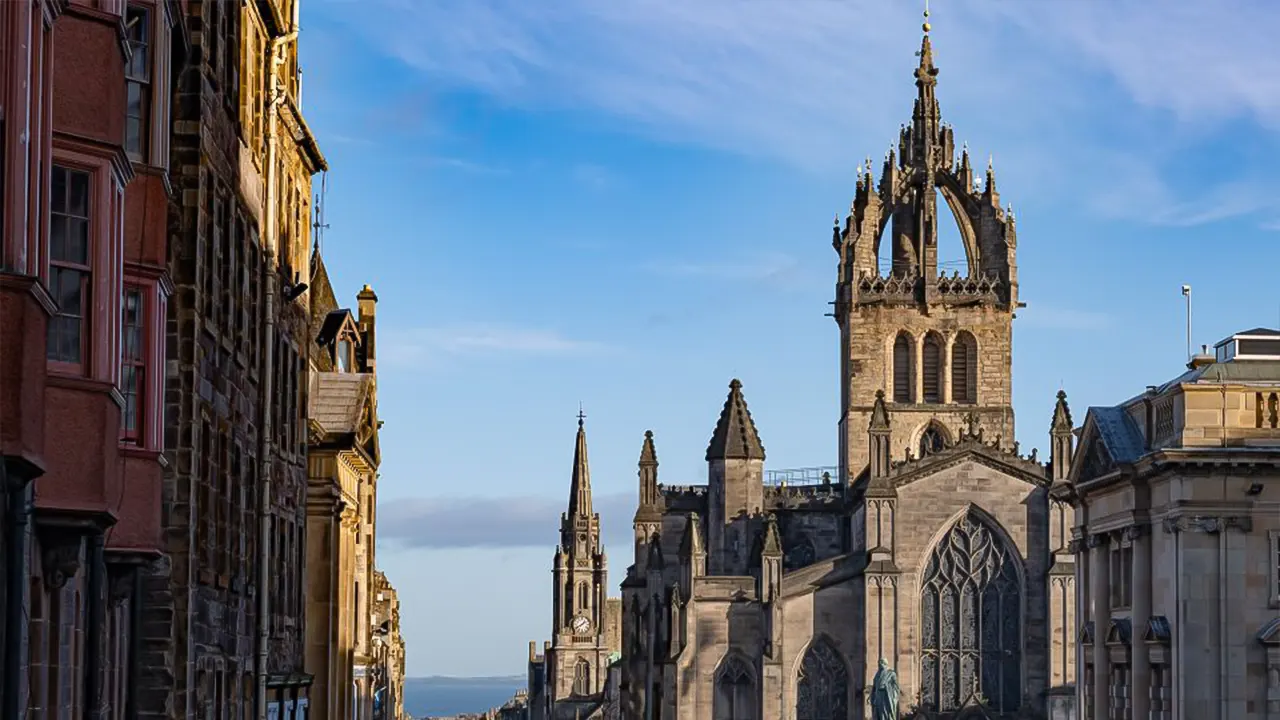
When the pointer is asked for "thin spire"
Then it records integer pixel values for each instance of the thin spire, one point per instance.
(735, 436)
(1061, 415)
(580, 488)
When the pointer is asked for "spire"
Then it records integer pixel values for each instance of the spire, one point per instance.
(648, 508)
(878, 437)
(772, 545)
(735, 436)
(580, 488)
(1061, 415)
(926, 78)
(879, 413)
(691, 543)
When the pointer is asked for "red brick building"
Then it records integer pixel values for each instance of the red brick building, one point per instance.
(84, 195)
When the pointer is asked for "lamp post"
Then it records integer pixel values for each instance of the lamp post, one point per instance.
(1186, 293)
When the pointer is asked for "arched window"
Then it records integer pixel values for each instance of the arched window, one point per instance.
(971, 616)
(932, 440)
(799, 555)
(568, 601)
(735, 691)
(822, 687)
(931, 358)
(583, 596)
(903, 382)
(964, 369)
(582, 677)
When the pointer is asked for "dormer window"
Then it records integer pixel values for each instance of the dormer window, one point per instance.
(343, 356)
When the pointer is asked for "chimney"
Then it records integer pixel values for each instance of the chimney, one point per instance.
(367, 302)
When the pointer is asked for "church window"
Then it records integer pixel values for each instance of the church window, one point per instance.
(799, 555)
(964, 369)
(971, 613)
(931, 358)
(735, 691)
(902, 377)
(584, 595)
(931, 441)
(822, 688)
(582, 677)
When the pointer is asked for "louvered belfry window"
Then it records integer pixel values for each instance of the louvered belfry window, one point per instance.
(932, 358)
(964, 369)
(902, 369)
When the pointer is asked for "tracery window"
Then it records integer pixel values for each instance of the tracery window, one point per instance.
(971, 616)
(822, 688)
(931, 441)
(800, 555)
(582, 677)
(735, 691)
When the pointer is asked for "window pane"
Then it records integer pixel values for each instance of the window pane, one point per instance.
(133, 136)
(58, 237)
(59, 190)
(77, 245)
(67, 290)
(78, 205)
(134, 94)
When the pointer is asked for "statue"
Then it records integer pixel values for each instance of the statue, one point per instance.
(884, 693)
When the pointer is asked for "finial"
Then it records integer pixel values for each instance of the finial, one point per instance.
(859, 170)
(991, 163)
(926, 26)
(581, 415)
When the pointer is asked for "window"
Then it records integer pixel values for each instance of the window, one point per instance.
(822, 688)
(1121, 567)
(902, 376)
(582, 677)
(1274, 539)
(137, 125)
(584, 596)
(344, 355)
(964, 369)
(932, 361)
(734, 691)
(931, 441)
(133, 368)
(69, 271)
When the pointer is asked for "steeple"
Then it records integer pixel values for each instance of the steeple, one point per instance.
(648, 478)
(580, 488)
(735, 436)
(1061, 439)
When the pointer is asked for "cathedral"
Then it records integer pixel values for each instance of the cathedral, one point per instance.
(936, 548)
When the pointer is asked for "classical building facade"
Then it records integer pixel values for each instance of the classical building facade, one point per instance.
(343, 458)
(389, 651)
(1177, 533)
(84, 132)
(224, 636)
(567, 680)
(936, 545)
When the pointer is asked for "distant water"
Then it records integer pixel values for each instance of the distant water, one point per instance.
(444, 696)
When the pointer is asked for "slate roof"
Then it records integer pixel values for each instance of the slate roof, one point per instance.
(337, 399)
(332, 325)
(1118, 432)
(735, 436)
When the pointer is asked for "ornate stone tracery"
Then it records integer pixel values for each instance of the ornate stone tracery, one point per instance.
(822, 686)
(735, 691)
(971, 620)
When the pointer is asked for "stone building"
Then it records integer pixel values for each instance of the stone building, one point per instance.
(343, 458)
(84, 133)
(935, 546)
(1177, 529)
(389, 651)
(224, 630)
(568, 679)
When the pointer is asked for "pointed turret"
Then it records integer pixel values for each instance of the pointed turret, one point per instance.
(693, 557)
(772, 543)
(1061, 438)
(735, 436)
(879, 438)
(580, 488)
(770, 560)
(648, 477)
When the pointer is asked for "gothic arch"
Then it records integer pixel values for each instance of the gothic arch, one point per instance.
(932, 367)
(932, 437)
(972, 608)
(964, 368)
(822, 682)
(953, 194)
(582, 677)
(902, 355)
(735, 689)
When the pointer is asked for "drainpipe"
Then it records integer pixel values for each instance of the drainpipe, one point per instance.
(18, 512)
(275, 97)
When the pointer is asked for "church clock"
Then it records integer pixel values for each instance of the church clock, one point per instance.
(581, 625)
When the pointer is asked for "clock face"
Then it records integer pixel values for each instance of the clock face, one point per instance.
(581, 625)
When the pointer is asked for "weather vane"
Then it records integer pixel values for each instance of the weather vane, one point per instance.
(581, 415)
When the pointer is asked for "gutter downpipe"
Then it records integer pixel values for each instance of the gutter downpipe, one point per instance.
(18, 511)
(269, 269)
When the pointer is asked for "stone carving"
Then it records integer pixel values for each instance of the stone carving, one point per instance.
(1097, 540)
(1207, 524)
(822, 690)
(884, 693)
(1133, 532)
(60, 559)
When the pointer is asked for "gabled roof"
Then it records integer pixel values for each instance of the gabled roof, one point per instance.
(338, 401)
(1108, 438)
(971, 447)
(334, 324)
(735, 436)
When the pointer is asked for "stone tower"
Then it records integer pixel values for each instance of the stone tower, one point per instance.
(938, 346)
(578, 657)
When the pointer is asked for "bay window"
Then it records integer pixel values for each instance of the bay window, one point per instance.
(137, 128)
(133, 366)
(69, 265)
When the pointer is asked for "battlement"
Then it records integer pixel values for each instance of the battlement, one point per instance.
(907, 287)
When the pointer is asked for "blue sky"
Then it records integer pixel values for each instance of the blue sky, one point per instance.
(627, 204)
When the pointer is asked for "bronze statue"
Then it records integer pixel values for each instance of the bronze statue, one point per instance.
(884, 693)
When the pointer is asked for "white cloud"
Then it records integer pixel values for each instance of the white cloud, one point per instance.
(768, 267)
(494, 522)
(406, 346)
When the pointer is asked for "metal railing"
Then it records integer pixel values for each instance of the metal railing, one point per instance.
(802, 476)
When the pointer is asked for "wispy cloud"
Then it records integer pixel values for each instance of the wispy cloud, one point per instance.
(468, 340)
(812, 81)
(466, 166)
(1134, 190)
(491, 522)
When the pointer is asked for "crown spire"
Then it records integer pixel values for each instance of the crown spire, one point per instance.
(580, 488)
(735, 436)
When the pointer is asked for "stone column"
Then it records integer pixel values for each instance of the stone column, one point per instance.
(1140, 612)
(1100, 588)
